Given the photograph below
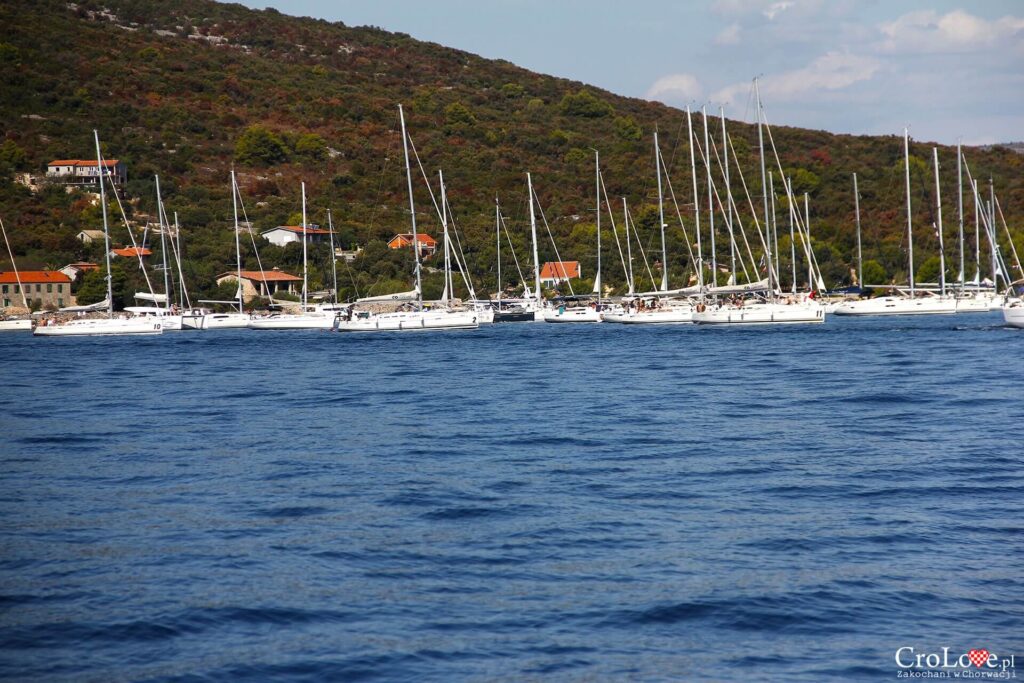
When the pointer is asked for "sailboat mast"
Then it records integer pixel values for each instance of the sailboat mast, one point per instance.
(960, 208)
(992, 231)
(977, 230)
(447, 295)
(807, 226)
(106, 229)
(910, 231)
(163, 243)
(860, 255)
(334, 261)
(305, 277)
(238, 243)
(760, 146)
(711, 206)
(728, 199)
(183, 297)
(497, 234)
(597, 184)
(792, 230)
(696, 203)
(533, 232)
(17, 276)
(661, 216)
(938, 206)
(412, 209)
(629, 246)
(772, 241)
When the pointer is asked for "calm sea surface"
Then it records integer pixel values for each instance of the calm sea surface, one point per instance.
(522, 502)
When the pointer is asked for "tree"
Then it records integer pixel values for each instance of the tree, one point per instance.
(259, 146)
(627, 128)
(874, 273)
(585, 104)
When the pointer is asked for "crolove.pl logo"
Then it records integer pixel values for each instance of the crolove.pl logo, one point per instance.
(978, 663)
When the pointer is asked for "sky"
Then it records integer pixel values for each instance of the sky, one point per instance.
(948, 70)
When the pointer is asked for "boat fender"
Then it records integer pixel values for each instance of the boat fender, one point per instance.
(701, 308)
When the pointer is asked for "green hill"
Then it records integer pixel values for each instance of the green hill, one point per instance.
(187, 89)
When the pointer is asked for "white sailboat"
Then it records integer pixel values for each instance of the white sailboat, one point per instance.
(100, 326)
(911, 302)
(768, 306)
(311, 316)
(418, 317)
(576, 309)
(15, 323)
(1013, 312)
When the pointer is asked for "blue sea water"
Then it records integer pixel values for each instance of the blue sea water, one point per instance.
(523, 502)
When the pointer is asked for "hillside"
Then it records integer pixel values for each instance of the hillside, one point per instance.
(187, 89)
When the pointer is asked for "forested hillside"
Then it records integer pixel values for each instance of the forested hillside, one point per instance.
(186, 89)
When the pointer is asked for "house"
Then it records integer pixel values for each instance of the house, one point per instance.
(131, 252)
(263, 283)
(348, 255)
(554, 272)
(42, 288)
(428, 245)
(90, 236)
(84, 171)
(286, 234)
(76, 270)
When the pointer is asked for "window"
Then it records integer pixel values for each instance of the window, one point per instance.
(39, 289)
(60, 288)
(16, 289)
(49, 288)
(5, 288)
(60, 303)
(7, 302)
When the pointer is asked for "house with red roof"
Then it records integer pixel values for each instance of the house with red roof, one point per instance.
(76, 270)
(287, 234)
(428, 245)
(85, 171)
(263, 283)
(42, 289)
(553, 273)
(131, 252)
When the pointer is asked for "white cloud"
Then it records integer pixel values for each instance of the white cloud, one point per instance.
(777, 8)
(730, 35)
(927, 31)
(675, 87)
(831, 71)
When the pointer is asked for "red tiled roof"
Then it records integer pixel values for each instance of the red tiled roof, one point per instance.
(265, 276)
(132, 251)
(422, 238)
(34, 277)
(83, 265)
(82, 162)
(560, 270)
(298, 229)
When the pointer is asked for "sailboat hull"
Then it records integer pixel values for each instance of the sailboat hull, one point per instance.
(660, 316)
(896, 305)
(761, 314)
(1013, 314)
(576, 314)
(410, 321)
(20, 325)
(94, 327)
(297, 321)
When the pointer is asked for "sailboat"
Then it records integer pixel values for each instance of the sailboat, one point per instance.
(204, 318)
(15, 324)
(170, 319)
(909, 303)
(769, 306)
(418, 317)
(653, 308)
(101, 326)
(311, 317)
(574, 309)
